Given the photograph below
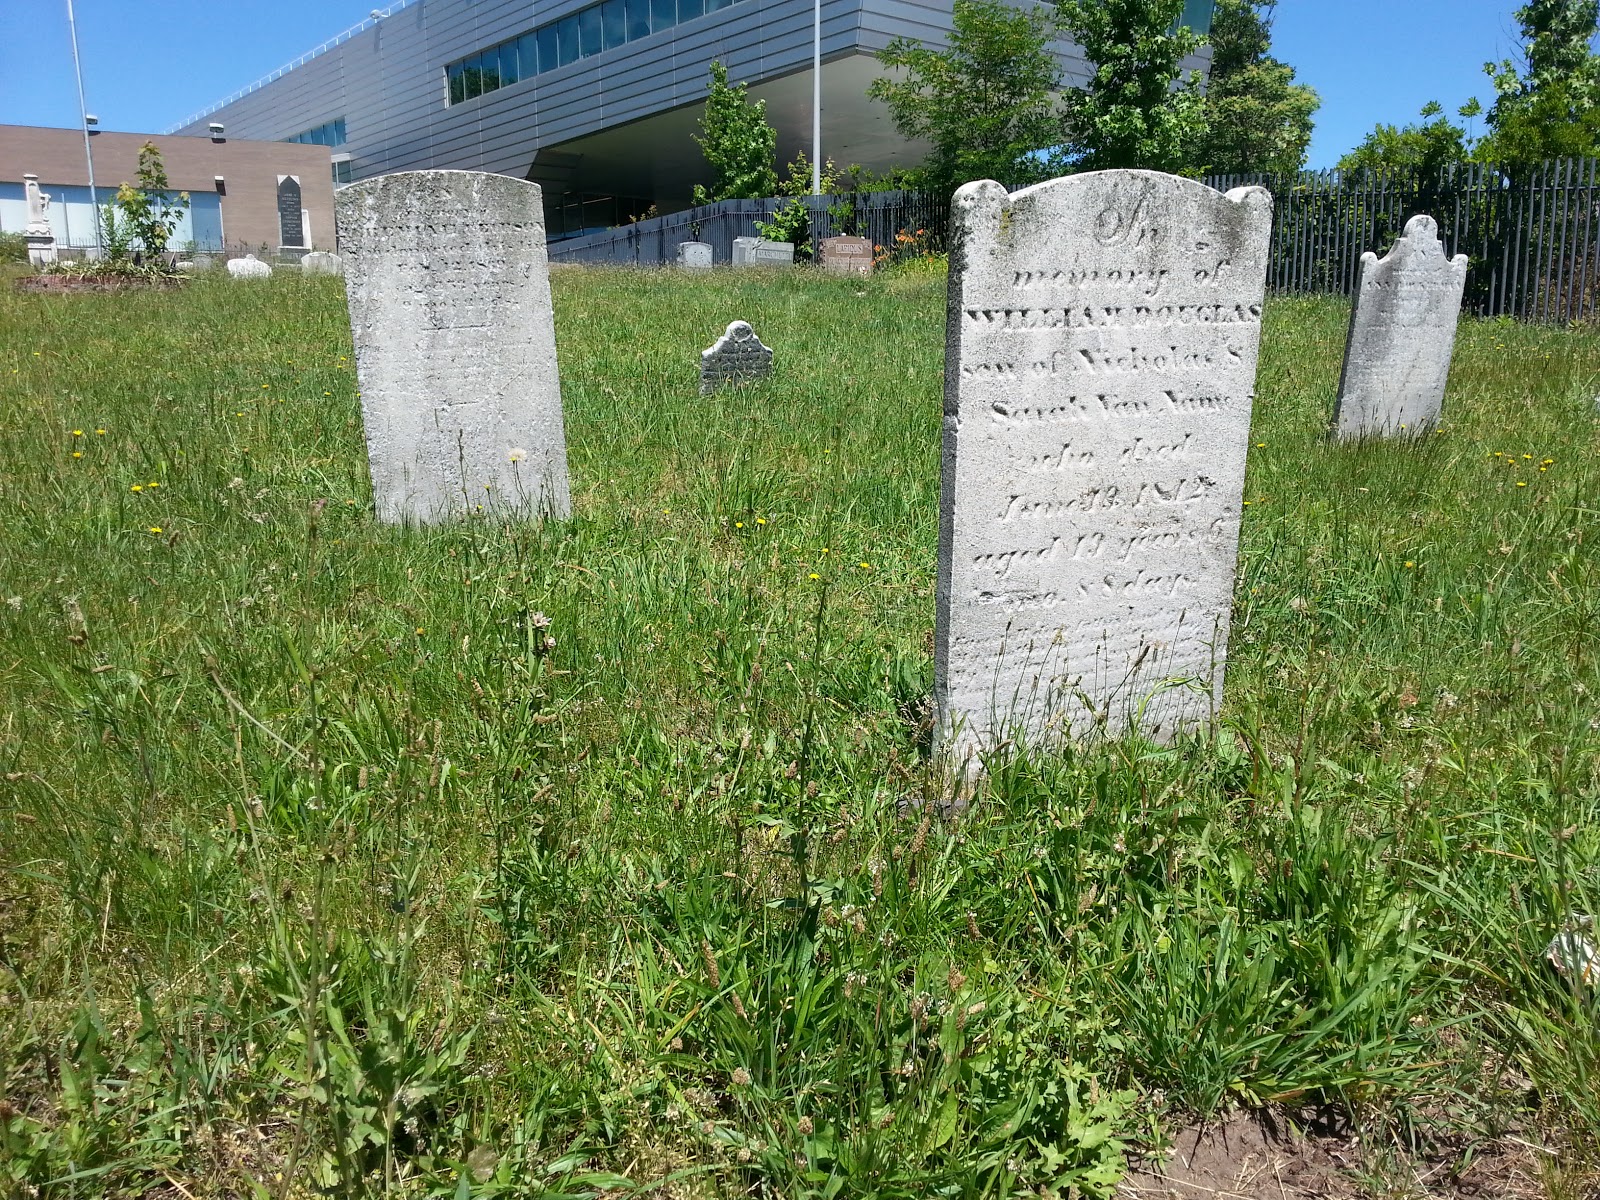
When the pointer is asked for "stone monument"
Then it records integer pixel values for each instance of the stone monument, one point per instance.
(248, 267)
(695, 256)
(737, 357)
(1402, 332)
(1101, 356)
(758, 252)
(448, 284)
(321, 262)
(40, 238)
(845, 255)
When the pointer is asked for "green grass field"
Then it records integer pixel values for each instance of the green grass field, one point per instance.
(324, 870)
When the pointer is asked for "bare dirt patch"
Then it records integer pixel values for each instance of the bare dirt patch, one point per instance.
(1250, 1156)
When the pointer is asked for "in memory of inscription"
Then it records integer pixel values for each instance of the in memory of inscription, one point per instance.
(1100, 365)
(736, 357)
(1402, 333)
(449, 292)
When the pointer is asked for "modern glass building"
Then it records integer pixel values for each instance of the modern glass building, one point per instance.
(595, 100)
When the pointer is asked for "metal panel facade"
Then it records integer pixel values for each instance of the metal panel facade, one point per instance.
(388, 83)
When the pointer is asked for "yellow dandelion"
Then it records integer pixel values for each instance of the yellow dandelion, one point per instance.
(1529, 457)
(825, 549)
(77, 433)
(100, 433)
(761, 520)
(1522, 483)
(1409, 563)
(238, 414)
(421, 631)
(79, 454)
(138, 487)
(814, 575)
(266, 385)
(865, 566)
(1261, 445)
(155, 529)
(152, 484)
(738, 524)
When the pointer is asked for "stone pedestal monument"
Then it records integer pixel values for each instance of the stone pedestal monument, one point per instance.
(1402, 334)
(1101, 356)
(449, 291)
(40, 238)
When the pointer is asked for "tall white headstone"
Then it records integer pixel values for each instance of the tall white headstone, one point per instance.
(37, 234)
(1100, 363)
(449, 292)
(1402, 333)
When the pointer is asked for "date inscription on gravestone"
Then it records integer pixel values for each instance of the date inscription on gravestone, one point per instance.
(1101, 355)
(291, 218)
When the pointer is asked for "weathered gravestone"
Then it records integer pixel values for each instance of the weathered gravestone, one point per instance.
(449, 293)
(845, 255)
(322, 262)
(1402, 332)
(758, 252)
(37, 234)
(737, 357)
(695, 256)
(291, 217)
(1101, 355)
(248, 267)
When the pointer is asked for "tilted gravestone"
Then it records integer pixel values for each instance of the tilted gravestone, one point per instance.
(845, 255)
(758, 252)
(737, 357)
(1101, 356)
(695, 256)
(1402, 333)
(449, 294)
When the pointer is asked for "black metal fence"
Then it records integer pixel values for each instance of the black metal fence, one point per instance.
(878, 216)
(1532, 234)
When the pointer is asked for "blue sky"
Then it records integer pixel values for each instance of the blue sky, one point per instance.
(149, 63)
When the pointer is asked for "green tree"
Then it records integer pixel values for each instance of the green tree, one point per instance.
(143, 217)
(1137, 110)
(986, 103)
(1552, 107)
(1257, 118)
(1427, 146)
(741, 147)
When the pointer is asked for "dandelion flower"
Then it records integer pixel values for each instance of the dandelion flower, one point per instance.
(825, 549)
(155, 529)
(738, 524)
(152, 484)
(77, 433)
(421, 631)
(79, 454)
(1261, 445)
(1409, 563)
(865, 566)
(1522, 483)
(138, 487)
(238, 414)
(761, 520)
(266, 385)
(814, 575)
(100, 433)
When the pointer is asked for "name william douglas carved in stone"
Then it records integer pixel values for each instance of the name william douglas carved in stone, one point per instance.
(1095, 440)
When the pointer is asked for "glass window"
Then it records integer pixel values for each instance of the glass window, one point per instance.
(528, 55)
(714, 5)
(638, 17)
(458, 85)
(568, 38)
(613, 23)
(663, 15)
(339, 132)
(688, 10)
(342, 172)
(590, 34)
(489, 64)
(472, 80)
(548, 58)
(508, 64)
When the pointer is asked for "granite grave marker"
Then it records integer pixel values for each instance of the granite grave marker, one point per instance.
(737, 357)
(1402, 333)
(1101, 354)
(846, 255)
(758, 252)
(695, 256)
(448, 285)
(291, 217)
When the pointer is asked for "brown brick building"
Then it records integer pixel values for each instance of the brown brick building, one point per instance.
(242, 192)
